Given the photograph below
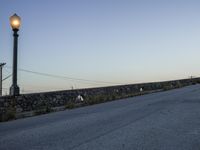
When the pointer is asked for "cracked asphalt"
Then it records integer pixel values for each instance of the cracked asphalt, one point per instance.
(167, 120)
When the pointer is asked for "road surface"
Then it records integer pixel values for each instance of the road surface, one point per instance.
(160, 121)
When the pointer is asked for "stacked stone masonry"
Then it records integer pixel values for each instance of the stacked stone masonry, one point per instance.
(37, 101)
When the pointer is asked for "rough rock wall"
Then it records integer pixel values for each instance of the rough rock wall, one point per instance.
(10, 106)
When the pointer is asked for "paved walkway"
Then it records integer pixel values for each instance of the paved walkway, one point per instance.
(161, 121)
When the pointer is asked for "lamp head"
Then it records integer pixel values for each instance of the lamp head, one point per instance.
(15, 22)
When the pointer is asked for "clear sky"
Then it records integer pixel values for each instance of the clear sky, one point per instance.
(118, 41)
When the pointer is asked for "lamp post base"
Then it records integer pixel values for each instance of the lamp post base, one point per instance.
(14, 90)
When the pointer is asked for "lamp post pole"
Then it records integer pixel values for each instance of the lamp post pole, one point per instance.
(14, 90)
(15, 24)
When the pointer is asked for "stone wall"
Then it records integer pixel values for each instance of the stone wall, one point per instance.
(37, 103)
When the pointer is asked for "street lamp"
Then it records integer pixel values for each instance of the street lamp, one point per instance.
(15, 22)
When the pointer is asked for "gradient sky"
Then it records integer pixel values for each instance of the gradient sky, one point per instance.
(119, 41)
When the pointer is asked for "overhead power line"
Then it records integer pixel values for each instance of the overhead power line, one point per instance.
(7, 77)
(66, 77)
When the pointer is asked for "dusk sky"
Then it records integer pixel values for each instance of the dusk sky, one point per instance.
(115, 41)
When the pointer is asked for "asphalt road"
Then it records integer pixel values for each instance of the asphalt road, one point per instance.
(160, 121)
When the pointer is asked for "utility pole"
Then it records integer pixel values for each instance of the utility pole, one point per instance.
(1, 67)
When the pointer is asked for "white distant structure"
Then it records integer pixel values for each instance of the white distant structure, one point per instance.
(79, 98)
